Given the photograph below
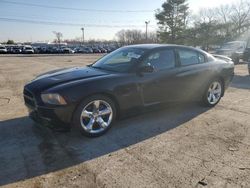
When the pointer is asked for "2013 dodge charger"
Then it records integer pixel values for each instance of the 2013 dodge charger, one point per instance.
(134, 76)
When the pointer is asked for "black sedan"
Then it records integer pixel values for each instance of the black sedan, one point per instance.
(135, 76)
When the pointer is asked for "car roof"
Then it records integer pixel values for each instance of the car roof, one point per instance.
(155, 46)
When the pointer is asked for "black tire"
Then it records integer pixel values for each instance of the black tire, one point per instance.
(83, 104)
(236, 60)
(205, 100)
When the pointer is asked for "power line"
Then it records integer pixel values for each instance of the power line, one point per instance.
(66, 24)
(89, 20)
(76, 9)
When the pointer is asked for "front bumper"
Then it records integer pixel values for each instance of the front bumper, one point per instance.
(56, 117)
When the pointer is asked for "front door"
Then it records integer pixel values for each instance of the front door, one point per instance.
(159, 86)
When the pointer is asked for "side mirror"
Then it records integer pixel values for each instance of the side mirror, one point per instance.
(146, 69)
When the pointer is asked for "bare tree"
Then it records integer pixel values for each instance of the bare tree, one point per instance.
(121, 35)
(223, 13)
(127, 37)
(206, 15)
(241, 17)
(59, 36)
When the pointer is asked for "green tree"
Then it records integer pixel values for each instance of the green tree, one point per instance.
(172, 21)
(10, 42)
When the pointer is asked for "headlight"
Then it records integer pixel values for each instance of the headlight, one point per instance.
(53, 98)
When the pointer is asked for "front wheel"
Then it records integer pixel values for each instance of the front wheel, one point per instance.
(95, 115)
(213, 93)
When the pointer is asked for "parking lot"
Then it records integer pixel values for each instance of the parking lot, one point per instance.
(180, 145)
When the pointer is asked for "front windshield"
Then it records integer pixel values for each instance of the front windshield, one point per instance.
(120, 60)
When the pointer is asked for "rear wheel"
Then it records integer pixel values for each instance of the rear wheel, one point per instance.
(213, 93)
(95, 115)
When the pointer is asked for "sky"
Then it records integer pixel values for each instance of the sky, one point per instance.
(101, 19)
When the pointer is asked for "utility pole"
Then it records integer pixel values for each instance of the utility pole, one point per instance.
(147, 22)
(82, 35)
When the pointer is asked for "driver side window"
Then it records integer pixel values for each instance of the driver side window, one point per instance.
(163, 59)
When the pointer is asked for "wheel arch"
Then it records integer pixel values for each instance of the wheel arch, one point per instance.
(223, 84)
(113, 98)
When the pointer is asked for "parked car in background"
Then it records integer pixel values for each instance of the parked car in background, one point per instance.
(249, 68)
(109, 50)
(3, 50)
(88, 50)
(54, 50)
(246, 55)
(68, 51)
(82, 50)
(234, 50)
(103, 50)
(96, 50)
(37, 50)
(78, 50)
(9, 49)
(28, 50)
(40, 50)
(138, 76)
(16, 50)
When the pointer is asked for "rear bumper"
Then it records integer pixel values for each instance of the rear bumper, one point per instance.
(58, 117)
(228, 81)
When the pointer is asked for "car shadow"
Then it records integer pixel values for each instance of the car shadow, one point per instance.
(241, 82)
(28, 150)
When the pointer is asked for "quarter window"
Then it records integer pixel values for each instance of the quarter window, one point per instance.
(164, 59)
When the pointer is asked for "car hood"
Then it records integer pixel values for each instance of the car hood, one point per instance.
(229, 50)
(61, 76)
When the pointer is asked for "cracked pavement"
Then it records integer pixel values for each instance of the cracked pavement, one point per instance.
(178, 145)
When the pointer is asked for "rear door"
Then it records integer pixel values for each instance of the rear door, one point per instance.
(194, 72)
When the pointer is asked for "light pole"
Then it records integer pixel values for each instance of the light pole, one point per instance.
(147, 22)
(82, 35)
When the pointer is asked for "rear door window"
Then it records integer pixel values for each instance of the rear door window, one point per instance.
(189, 57)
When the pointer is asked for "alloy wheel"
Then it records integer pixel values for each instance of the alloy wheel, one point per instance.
(214, 92)
(96, 116)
